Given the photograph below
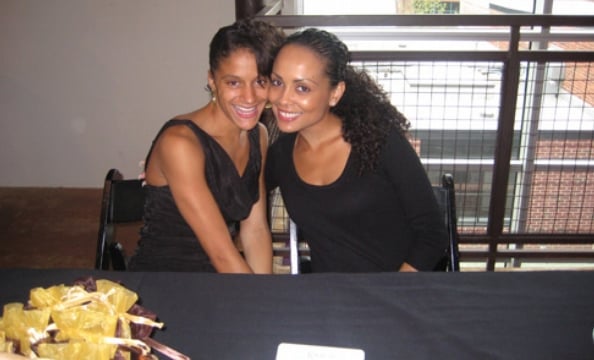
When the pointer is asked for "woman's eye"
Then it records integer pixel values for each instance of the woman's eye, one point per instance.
(302, 89)
(275, 82)
(262, 82)
(233, 83)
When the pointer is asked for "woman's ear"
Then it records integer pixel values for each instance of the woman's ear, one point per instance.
(337, 93)
(211, 82)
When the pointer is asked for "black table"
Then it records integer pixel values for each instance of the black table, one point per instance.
(532, 315)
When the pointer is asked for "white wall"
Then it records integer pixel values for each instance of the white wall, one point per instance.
(349, 7)
(86, 84)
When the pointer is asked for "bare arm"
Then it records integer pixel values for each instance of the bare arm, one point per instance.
(178, 160)
(254, 230)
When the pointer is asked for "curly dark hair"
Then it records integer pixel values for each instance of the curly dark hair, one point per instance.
(365, 109)
(259, 37)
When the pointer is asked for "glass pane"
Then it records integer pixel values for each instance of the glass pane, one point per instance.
(554, 192)
(453, 110)
(467, 7)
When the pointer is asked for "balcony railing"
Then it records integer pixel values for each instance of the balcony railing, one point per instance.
(506, 104)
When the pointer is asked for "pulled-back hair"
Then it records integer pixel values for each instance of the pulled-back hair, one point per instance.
(259, 37)
(365, 109)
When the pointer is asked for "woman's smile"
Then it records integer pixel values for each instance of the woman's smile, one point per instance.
(287, 115)
(246, 112)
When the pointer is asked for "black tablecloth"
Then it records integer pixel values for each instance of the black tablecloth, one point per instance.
(532, 315)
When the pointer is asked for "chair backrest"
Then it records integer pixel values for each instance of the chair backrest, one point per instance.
(122, 202)
(445, 195)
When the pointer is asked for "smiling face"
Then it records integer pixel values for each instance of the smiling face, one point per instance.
(240, 92)
(300, 93)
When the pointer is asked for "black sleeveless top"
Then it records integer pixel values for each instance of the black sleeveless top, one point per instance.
(167, 242)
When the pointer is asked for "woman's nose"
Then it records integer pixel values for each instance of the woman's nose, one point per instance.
(278, 95)
(249, 94)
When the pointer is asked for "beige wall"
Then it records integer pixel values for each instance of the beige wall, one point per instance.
(85, 84)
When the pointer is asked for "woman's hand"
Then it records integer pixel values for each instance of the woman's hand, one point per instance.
(406, 267)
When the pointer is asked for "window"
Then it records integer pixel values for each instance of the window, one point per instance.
(456, 108)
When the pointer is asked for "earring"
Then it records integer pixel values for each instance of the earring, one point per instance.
(214, 99)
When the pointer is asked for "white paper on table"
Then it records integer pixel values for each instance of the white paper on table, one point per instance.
(290, 351)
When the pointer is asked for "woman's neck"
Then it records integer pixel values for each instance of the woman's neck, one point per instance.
(213, 121)
(321, 134)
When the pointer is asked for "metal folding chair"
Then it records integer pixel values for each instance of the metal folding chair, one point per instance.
(122, 202)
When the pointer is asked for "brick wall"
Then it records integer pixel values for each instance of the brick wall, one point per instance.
(579, 77)
(561, 201)
(565, 149)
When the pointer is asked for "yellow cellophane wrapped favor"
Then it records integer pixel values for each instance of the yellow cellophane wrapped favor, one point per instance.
(119, 297)
(88, 321)
(25, 326)
(80, 323)
(75, 350)
(42, 298)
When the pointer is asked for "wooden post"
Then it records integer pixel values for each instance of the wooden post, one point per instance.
(247, 8)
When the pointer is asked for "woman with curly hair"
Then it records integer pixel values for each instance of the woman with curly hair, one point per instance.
(347, 173)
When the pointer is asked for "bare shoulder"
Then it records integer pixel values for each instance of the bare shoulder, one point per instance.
(176, 152)
(178, 141)
(178, 134)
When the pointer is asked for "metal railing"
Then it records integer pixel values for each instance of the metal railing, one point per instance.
(519, 44)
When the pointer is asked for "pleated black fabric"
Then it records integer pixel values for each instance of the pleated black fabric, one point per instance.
(167, 242)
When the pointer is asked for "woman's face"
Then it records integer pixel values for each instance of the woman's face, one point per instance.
(240, 92)
(300, 91)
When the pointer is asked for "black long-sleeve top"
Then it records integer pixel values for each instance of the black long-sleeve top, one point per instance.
(368, 223)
